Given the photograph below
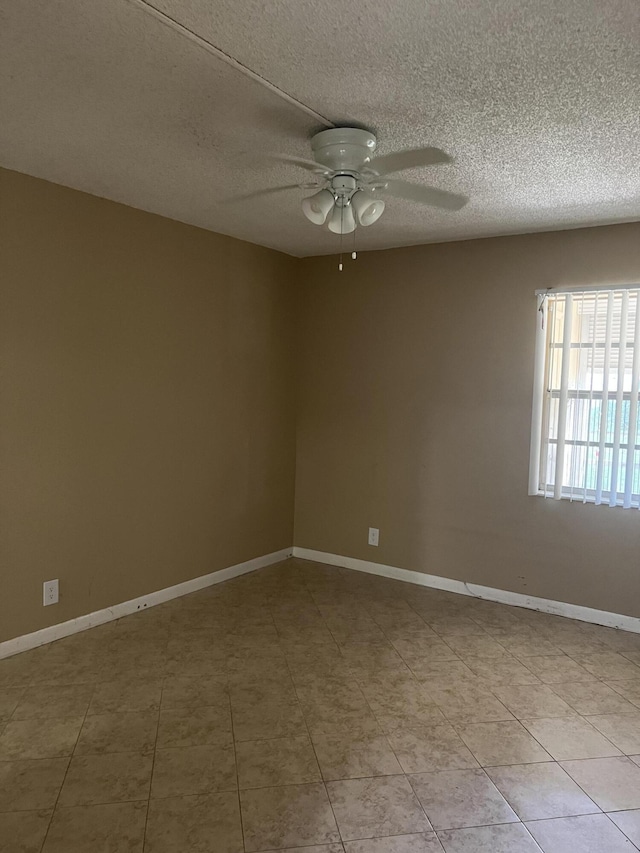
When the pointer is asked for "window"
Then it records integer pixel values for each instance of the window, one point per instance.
(585, 429)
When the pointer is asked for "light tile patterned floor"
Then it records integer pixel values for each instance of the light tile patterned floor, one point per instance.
(310, 708)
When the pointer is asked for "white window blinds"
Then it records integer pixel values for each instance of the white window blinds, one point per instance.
(585, 441)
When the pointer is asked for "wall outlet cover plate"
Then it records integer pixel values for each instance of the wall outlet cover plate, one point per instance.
(50, 592)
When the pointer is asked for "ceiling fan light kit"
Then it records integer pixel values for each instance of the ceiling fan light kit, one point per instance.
(342, 220)
(367, 208)
(317, 207)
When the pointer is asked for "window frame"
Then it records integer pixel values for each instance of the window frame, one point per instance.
(540, 410)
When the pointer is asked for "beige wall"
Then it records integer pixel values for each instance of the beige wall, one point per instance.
(415, 384)
(147, 426)
(147, 422)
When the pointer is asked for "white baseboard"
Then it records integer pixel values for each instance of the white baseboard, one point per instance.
(99, 617)
(108, 614)
(545, 605)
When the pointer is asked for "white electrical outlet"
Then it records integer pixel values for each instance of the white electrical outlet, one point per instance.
(50, 592)
(374, 535)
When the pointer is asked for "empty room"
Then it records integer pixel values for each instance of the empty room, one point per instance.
(320, 426)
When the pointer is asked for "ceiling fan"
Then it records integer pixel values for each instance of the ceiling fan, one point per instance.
(349, 180)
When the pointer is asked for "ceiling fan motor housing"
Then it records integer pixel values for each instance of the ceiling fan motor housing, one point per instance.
(343, 148)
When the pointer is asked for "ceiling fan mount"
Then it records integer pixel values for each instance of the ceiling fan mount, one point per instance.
(343, 148)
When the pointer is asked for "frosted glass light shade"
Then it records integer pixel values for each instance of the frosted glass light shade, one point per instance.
(316, 207)
(342, 220)
(367, 208)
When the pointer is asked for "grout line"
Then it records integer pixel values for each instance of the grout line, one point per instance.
(568, 817)
(608, 815)
(323, 780)
(235, 757)
(66, 772)
(86, 805)
(153, 764)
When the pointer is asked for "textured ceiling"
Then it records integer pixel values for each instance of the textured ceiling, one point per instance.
(538, 101)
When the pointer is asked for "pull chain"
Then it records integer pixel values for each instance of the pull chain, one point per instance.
(341, 236)
(354, 254)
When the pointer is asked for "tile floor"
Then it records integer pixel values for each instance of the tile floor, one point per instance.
(305, 707)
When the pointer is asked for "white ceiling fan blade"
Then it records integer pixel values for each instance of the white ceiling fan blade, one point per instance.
(309, 165)
(425, 195)
(267, 191)
(410, 159)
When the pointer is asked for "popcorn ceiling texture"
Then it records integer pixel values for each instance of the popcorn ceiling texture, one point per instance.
(538, 101)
